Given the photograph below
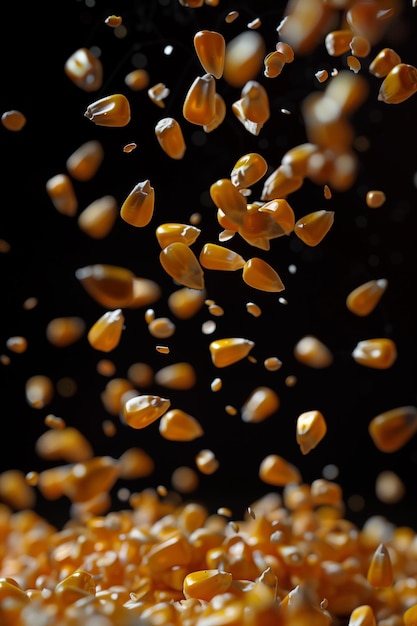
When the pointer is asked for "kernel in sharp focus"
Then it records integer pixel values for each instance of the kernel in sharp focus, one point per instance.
(311, 427)
(379, 353)
(210, 47)
(112, 111)
(141, 410)
(225, 352)
(391, 430)
(363, 299)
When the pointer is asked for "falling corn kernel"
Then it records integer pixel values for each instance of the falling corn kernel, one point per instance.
(258, 274)
(389, 488)
(215, 257)
(39, 391)
(13, 120)
(67, 444)
(157, 93)
(375, 198)
(281, 183)
(275, 470)
(113, 21)
(180, 375)
(138, 208)
(219, 114)
(337, 42)
(261, 403)
(161, 327)
(225, 352)
(206, 461)
(313, 227)
(112, 111)
(310, 351)
(135, 463)
(129, 147)
(216, 384)
(391, 430)
(64, 331)
(141, 374)
(162, 349)
(311, 427)
(231, 17)
(227, 198)
(252, 109)
(142, 410)
(380, 353)
(17, 344)
(272, 364)
(168, 233)
(322, 75)
(281, 212)
(105, 334)
(243, 58)
(384, 62)
(85, 70)
(210, 47)
(399, 84)
(180, 262)
(184, 479)
(353, 63)
(184, 303)
(62, 194)
(199, 105)
(360, 46)
(137, 80)
(115, 390)
(207, 583)
(99, 217)
(248, 170)
(177, 425)
(380, 571)
(85, 161)
(16, 491)
(273, 64)
(253, 309)
(363, 299)
(362, 615)
(170, 137)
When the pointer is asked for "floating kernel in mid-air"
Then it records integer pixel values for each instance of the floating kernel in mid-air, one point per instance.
(313, 227)
(244, 58)
(180, 375)
(39, 391)
(384, 62)
(258, 274)
(13, 120)
(141, 410)
(184, 303)
(99, 217)
(261, 403)
(379, 353)
(210, 47)
(225, 352)
(138, 207)
(215, 257)
(170, 232)
(275, 470)
(85, 161)
(199, 105)
(363, 299)
(177, 425)
(105, 334)
(61, 191)
(375, 198)
(170, 137)
(227, 198)
(180, 262)
(392, 429)
(380, 571)
(252, 109)
(85, 70)
(310, 351)
(110, 285)
(311, 427)
(113, 111)
(399, 84)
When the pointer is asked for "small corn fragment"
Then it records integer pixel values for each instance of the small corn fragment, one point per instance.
(138, 208)
(210, 47)
(227, 198)
(114, 392)
(384, 62)
(171, 232)
(137, 80)
(110, 285)
(206, 461)
(161, 327)
(39, 391)
(275, 470)
(157, 93)
(353, 63)
(272, 363)
(375, 198)
(99, 217)
(181, 375)
(184, 303)
(391, 430)
(253, 309)
(17, 344)
(312, 352)
(112, 111)
(105, 334)
(311, 427)
(142, 410)
(85, 161)
(363, 299)
(243, 58)
(13, 120)
(248, 170)
(180, 262)
(225, 352)
(362, 615)
(258, 274)
(113, 21)
(338, 42)
(380, 571)
(273, 64)
(177, 425)
(169, 135)
(207, 583)
(62, 194)
(313, 227)
(85, 70)
(261, 403)
(199, 105)
(252, 109)
(399, 84)
(379, 353)
(67, 444)
(215, 257)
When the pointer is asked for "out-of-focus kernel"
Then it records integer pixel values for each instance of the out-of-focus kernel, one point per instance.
(106, 332)
(216, 384)
(15, 491)
(138, 207)
(210, 47)
(85, 70)
(261, 403)
(206, 461)
(99, 217)
(85, 161)
(392, 429)
(379, 353)
(311, 427)
(225, 352)
(181, 375)
(384, 62)
(219, 115)
(157, 93)
(113, 21)
(135, 463)
(368, 19)
(140, 374)
(360, 46)
(113, 111)
(17, 344)
(231, 17)
(363, 299)
(399, 84)
(109, 428)
(252, 109)
(13, 120)
(375, 198)
(30, 303)
(272, 364)
(161, 327)
(310, 351)
(39, 391)
(389, 488)
(67, 444)
(253, 309)
(184, 303)
(303, 24)
(275, 470)
(337, 42)
(62, 194)
(230, 410)
(137, 80)
(170, 137)
(184, 479)
(113, 393)
(177, 425)
(243, 58)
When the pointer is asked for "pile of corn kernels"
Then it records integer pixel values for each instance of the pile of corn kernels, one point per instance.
(162, 556)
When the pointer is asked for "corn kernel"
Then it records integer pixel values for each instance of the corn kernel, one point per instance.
(181, 375)
(62, 194)
(380, 571)
(296, 159)
(399, 84)
(85, 70)
(225, 352)
(105, 334)
(375, 198)
(13, 120)
(275, 470)
(258, 274)
(17, 344)
(185, 302)
(384, 62)
(142, 410)
(253, 309)
(281, 212)
(219, 114)
(113, 21)
(138, 208)
(389, 488)
(362, 615)
(206, 461)
(199, 105)
(16, 491)
(169, 135)
(243, 58)
(135, 463)
(85, 161)
(157, 93)
(67, 444)
(64, 331)
(392, 429)
(303, 25)
(227, 198)
(360, 46)
(180, 262)
(137, 80)
(363, 299)
(205, 584)
(273, 64)
(272, 364)
(252, 109)
(113, 111)
(177, 425)
(313, 227)
(161, 327)
(248, 170)
(210, 47)
(338, 42)
(280, 183)
(99, 217)
(311, 427)
(310, 351)
(39, 391)
(215, 257)
(380, 353)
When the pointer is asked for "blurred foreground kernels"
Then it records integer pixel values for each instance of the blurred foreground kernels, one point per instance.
(243, 58)
(85, 161)
(85, 70)
(391, 430)
(113, 111)
(62, 194)
(39, 391)
(313, 352)
(110, 285)
(275, 470)
(99, 217)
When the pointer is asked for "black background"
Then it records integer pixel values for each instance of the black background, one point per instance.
(47, 248)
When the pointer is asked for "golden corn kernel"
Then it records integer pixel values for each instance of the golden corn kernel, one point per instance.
(282, 213)
(181, 375)
(219, 114)
(206, 461)
(312, 352)
(363, 299)
(272, 364)
(275, 470)
(399, 84)
(210, 47)
(313, 227)
(362, 615)
(169, 135)
(172, 552)
(337, 42)
(348, 91)
(140, 374)
(113, 21)
(15, 491)
(253, 309)
(322, 75)
(375, 199)
(67, 444)
(85, 70)
(184, 303)
(180, 262)
(285, 49)
(297, 158)
(135, 463)
(113, 394)
(311, 427)
(252, 109)
(17, 344)
(392, 429)
(216, 384)
(227, 198)
(171, 232)
(368, 20)
(13, 120)
(389, 488)
(157, 93)
(92, 477)
(225, 352)
(378, 353)
(177, 425)
(207, 583)
(62, 194)
(39, 391)
(137, 80)
(161, 327)
(325, 493)
(384, 62)
(353, 63)
(138, 208)
(243, 58)
(99, 217)
(85, 161)
(145, 292)
(261, 403)
(11, 592)
(105, 334)
(199, 105)
(360, 46)
(215, 257)
(409, 616)
(142, 410)
(184, 479)
(248, 170)
(380, 571)
(303, 25)
(273, 64)
(280, 183)
(113, 111)
(129, 147)
(258, 274)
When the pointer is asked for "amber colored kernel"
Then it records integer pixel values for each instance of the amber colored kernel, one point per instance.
(258, 274)
(171, 232)
(261, 403)
(363, 299)
(284, 48)
(185, 479)
(281, 183)
(13, 120)
(216, 310)
(274, 63)
(248, 170)
(199, 105)
(380, 571)
(391, 430)
(177, 425)
(368, 20)
(162, 349)
(225, 352)
(138, 207)
(210, 47)
(207, 583)
(92, 477)
(184, 303)
(226, 197)
(327, 192)
(109, 428)
(275, 470)
(375, 198)
(85, 70)
(15, 491)
(67, 444)
(140, 374)
(282, 213)
(322, 75)
(137, 80)
(113, 393)
(360, 46)
(129, 147)
(362, 615)
(399, 84)
(337, 42)
(253, 309)
(296, 158)
(380, 353)
(180, 262)
(112, 111)
(325, 492)
(157, 93)
(272, 364)
(310, 351)
(384, 62)
(409, 616)
(99, 217)
(311, 427)
(161, 327)
(105, 334)
(85, 161)
(231, 17)
(353, 63)
(145, 292)
(313, 227)
(135, 463)
(215, 257)
(243, 58)
(17, 344)
(206, 461)
(39, 391)
(142, 410)
(389, 488)
(170, 137)
(219, 114)
(253, 108)
(5, 246)
(180, 375)
(62, 194)
(113, 21)
(216, 384)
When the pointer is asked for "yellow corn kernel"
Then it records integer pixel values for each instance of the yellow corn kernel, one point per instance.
(311, 427)
(113, 21)
(337, 42)
(111, 111)
(380, 571)
(392, 429)
(378, 353)
(105, 334)
(177, 425)
(184, 303)
(207, 583)
(51, 482)
(113, 394)
(199, 105)
(252, 109)
(170, 553)
(248, 170)
(297, 158)
(145, 292)
(92, 477)
(85, 161)
(399, 84)
(99, 217)
(219, 114)
(227, 198)
(368, 20)
(157, 93)
(285, 49)
(180, 262)
(206, 461)
(410, 615)
(273, 64)
(384, 62)
(225, 352)
(362, 615)
(85, 70)
(62, 194)
(137, 80)
(275, 470)
(259, 227)
(253, 309)
(142, 410)
(272, 363)
(325, 493)
(243, 58)
(282, 213)
(210, 47)
(169, 135)
(360, 46)
(375, 198)
(13, 120)
(161, 327)
(39, 391)
(171, 232)
(310, 351)
(15, 491)
(17, 344)
(140, 374)
(10, 591)
(138, 207)
(181, 375)
(280, 183)
(261, 403)
(67, 443)
(348, 91)
(303, 25)
(313, 227)
(78, 580)
(353, 63)
(215, 257)
(135, 463)
(63, 331)
(322, 75)
(363, 299)
(258, 274)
